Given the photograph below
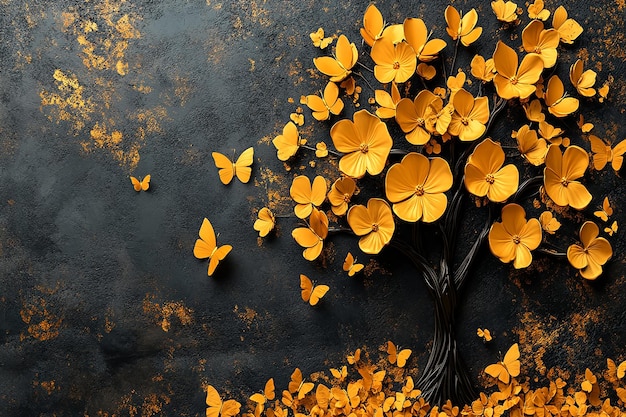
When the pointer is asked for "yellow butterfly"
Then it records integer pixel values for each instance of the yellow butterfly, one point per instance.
(399, 358)
(311, 294)
(568, 29)
(505, 12)
(373, 25)
(606, 212)
(372, 381)
(206, 246)
(602, 153)
(311, 238)
(228, 169)
(141, 185)
(288, 143)
(584, 127)
(355, 357)
(340, 67)
(328, 103)
(462, 28)
(340, 374)
(603, 92)
(350, 266)
(485, 334)
(319, 40)
(268, 394)
(549, 223)
(508, 367)
(611, 230)
(322, 397)
(621, 370)
(558, 103)
(265, 223)
(536, 11)
(216, 407)
(297, 384)
(532, 148)
(582, 79)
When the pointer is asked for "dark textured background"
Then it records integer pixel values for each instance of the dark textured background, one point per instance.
(103, 308)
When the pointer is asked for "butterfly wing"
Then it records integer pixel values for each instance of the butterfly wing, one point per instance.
(511, 361)
(225, 166)
(600, 154)
(317, 293)
(219, 254)
(392, 352)
(403, 356)
(230, 408)
(213, 402)
(497, 370)
(145, 183)
(618, 155)
(205, 246)
(136, 183)
(242, 166)
(296, 376)
(307, 287)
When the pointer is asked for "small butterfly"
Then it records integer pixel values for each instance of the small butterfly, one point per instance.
(217, 407)
(350, 266)
(328, 103)
(298, 386)
(606, 212)
(603, 92)
(549, 223)
(505, 12)
(602, 153)
(508, 367)
(319, 40)
(265, 223)
(268, 393)
(141, 185)
(206, 246)
(485, 334)
(568, 28)
(559, 104)
(355, 357)
(584, 127)
(340, 67)
(611, 230)
(289, 142)
(621, 370)
(311, 293)
(340, 374)
(322, 396)
(399, 358)
(228, 169)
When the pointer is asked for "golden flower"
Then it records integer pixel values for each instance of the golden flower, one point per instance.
(365, 142)
(560, 175)
(470, 116)
(594, 252)
(307, 196)
(412, 116)
(514, 237)
(536, 11)
(426, 71)
(387, 102)
(505, 12)
(416, 35)
(530, 146)
(394, 62)
(340, 194)
(550, 133)
(582, 80)
(373, 223)
(417, 185)
(481, 69)
(485, 175)
(511, 81)
(288, 143)
(542, 42)
(311, 238)
(463, 28)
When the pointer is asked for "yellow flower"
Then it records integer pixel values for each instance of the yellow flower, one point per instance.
(340, 194)
(481, 69)
(470, 116)
(416, 35)
(365, 142)
(373, 223)
(307, 196)
(514, 237)
(417, 185)
(582, 80)
(289, 142)
(530, 146)
(311, 238)
(542, 42)
(463, 28)
(510, 81)
(560, 175)
(505, 12)
(412, 116)
(594, 252)
(387, 102)
(394, 62)
(485, 176)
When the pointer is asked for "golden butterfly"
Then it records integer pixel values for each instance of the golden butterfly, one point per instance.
(312, 293)
(265, 222)
(206, 246)
(218, 408)
(399, 358)
(142, 185)
(603, 153)
(261, 398)
(240, 168)
(507, 367)
(549, 223)
(297, 386)
(484, 334)
(350, 265)
(612, 229)
(606, 212)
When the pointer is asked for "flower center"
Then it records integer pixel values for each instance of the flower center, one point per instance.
(465, 121)
(419, 190)
(375, 227)
(346, 197)
(514, 80)
(490, 178)
(517, 239)
(363, 148)
(537, 50)
(420, 121)
(396, 65)
(564, 182)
